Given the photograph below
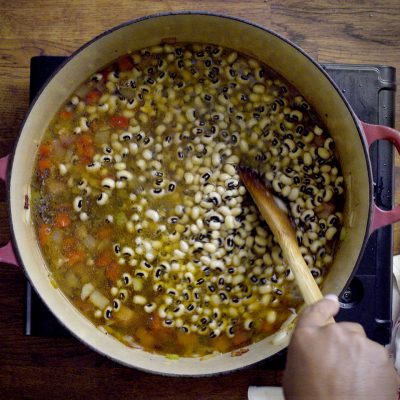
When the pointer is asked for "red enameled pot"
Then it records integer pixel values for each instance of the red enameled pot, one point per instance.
(352, 138)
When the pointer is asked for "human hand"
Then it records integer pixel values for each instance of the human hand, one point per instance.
(336, 361)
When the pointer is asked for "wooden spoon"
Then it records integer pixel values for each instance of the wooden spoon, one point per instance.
(282, 229)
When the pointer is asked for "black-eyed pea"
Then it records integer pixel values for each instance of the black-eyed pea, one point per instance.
(315, 245)
(296, 115)
(108, 312)
(307, 159)
(330, 233)
(286, 190)
(323, 153)
(308, 137)
(309, 260)
(317, 130)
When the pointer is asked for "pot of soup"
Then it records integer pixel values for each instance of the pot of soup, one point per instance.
(127, 211)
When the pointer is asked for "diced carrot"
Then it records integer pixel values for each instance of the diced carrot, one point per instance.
(69, 243)
(104, 232)
(75, 257)
(240, 338)
(113, 271)
(119, 121)
(65, 115)
(44, 234)
(72, 251)
(125, 63)
(156, 323)
(84, 146)
(85, 140)
(93, 96)
(104, 259)
(45, 150)
(62, 220)
(44, 165)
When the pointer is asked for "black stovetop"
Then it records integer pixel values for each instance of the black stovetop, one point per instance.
(371, 92)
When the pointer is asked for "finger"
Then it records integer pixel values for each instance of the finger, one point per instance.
(352, 327)
(319, 313)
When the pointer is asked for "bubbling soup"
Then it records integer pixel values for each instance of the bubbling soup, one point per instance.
(140, 213)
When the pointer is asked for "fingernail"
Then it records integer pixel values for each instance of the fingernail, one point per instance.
(332, 297)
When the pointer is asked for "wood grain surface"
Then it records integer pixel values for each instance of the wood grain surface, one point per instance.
(362, 31)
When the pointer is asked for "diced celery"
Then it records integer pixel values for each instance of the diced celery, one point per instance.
(87, 290)
(53, 282)
(98, 300)
(35, 196)
(121, 219)
(172, 356)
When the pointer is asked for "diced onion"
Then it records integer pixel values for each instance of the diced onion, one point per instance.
(68, 155)
(98, 300)
(90, 242)
(55, 186)
(58, 149)
(57, 237)
(87, 290)
(71, 280)
(128, 92)
(124, 314)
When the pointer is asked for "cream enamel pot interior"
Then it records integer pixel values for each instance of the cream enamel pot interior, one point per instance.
(352, 139)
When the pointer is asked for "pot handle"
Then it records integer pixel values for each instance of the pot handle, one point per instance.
(379, 132)
(7, 254)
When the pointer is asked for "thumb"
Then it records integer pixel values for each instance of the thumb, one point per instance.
(319, 313)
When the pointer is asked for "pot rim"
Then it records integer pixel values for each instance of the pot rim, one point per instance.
(109, 31)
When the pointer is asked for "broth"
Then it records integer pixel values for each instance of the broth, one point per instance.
(140, 213)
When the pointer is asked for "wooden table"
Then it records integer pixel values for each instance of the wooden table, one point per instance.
(42, 368)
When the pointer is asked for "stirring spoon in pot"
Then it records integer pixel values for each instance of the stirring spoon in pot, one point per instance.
(283, 231)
